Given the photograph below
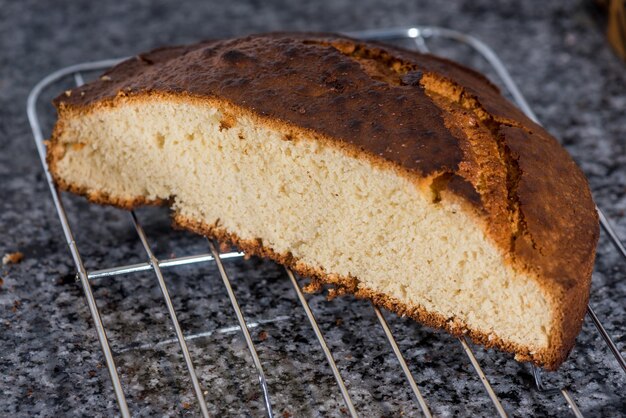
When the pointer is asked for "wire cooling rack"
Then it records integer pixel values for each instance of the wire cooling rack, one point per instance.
(421, 38)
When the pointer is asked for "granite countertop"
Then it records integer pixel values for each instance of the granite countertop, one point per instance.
(50, 360)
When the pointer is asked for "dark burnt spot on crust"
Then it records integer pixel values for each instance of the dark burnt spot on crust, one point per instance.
(237, 58)
(333, 83)
(356, 124)
(463, 188)
(144, 59)
(452, 182)
(301, 109)
(209, 52)
(412, 78)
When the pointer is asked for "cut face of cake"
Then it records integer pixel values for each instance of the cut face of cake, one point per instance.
(391, 175)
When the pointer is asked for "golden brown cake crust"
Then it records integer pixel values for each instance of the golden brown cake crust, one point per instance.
(439, 123)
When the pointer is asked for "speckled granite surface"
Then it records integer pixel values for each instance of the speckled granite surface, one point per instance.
(50, 361)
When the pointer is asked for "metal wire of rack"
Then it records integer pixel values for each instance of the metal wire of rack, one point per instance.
(420, 36)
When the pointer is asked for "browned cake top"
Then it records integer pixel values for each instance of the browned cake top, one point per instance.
(426, 115)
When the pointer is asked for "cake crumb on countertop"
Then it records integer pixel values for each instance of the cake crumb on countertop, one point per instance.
(12, 258)
(16, 305)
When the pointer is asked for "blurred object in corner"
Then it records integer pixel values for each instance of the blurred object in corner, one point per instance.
(616, 24)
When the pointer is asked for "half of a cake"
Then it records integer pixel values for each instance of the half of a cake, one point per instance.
(395, 176)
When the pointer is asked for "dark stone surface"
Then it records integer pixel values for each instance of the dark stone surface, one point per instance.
(50, 361)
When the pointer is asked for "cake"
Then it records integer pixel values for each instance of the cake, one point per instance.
(376, 171)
